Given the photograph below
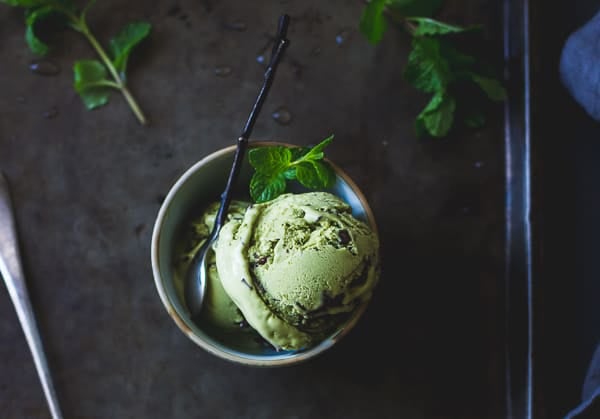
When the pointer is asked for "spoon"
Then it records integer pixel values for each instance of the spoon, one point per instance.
(12, 272)
(196, 279)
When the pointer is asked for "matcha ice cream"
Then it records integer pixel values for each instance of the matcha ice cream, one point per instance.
(218, 310)
(297, 266)
(293, 269)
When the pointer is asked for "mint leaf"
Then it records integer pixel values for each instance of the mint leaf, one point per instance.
(270, 159)
(265, 187)
(415, 7)
(290, 174)
(429, 27)
(372, 21)
(36, 45)
(298, 152)
(427, 70)
(435, 65)
(122, 44)
(460, 63)
(307, 175)
(316, 153)
(315, 174)
(91, 83)
(311, 171)
(475, 120)
(24, 3)
(491, 87)
(275, 165)
(438, 116)
(325, 172)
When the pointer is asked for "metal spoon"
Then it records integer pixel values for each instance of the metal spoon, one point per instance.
(12, 272)
(196, 279)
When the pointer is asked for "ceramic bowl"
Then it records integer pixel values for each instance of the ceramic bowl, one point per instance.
(198, 186)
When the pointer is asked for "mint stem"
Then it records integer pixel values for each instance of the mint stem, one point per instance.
(409, 26)
(82, 27)
(397, 17)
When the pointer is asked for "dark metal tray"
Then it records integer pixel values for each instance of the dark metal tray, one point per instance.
(518, 250)
(456, 283)
(565, 145)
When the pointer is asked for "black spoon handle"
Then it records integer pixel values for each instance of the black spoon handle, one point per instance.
(281, 44)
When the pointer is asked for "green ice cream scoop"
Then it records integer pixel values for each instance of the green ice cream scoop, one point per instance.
(218, 311)
(297, 266)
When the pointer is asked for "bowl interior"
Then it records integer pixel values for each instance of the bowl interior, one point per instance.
(196, 188)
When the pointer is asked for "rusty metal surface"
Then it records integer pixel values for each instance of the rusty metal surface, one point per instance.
(87, 187)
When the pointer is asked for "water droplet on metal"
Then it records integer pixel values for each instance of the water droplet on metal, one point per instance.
(21, 99)
(479, 164)
(342, 37)
(222, 71)
(261, 57)
(385, 143)
(282, 116)
(236, 25)
(44, 68)
(51, 113)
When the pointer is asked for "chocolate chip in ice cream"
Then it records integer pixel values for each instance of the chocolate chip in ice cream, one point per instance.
(344, 237)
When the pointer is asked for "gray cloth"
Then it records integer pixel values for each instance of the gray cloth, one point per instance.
(590, 398)
(580, 74)
(580, 66)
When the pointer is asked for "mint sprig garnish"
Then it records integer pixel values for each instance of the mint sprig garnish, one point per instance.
(275, 165)
(93, 79)
(458, 82)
